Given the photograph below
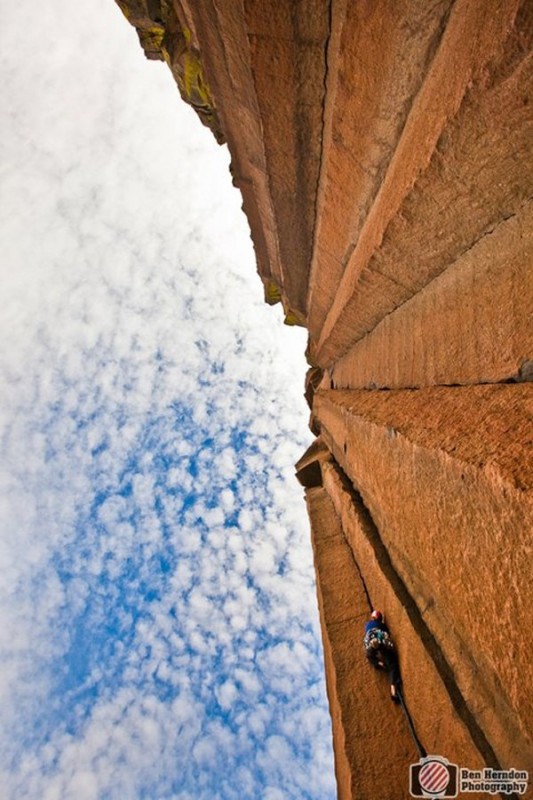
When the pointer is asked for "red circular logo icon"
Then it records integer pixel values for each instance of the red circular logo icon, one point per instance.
(434, 777)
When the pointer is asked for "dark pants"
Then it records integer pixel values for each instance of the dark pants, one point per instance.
(386, 658)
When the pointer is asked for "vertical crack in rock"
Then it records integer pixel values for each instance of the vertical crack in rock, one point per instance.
(322, 145)
(430, 643)
(355, 562)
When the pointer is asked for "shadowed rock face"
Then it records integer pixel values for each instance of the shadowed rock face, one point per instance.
(383, 151)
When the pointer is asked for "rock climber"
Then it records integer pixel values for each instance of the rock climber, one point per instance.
(381, 652)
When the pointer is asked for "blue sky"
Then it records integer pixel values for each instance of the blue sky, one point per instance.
(158, 626)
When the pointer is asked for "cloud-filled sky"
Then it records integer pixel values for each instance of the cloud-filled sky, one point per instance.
(158, 625)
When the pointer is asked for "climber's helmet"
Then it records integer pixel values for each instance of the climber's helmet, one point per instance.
(376, 615)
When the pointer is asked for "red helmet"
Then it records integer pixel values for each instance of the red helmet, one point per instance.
(376, 615)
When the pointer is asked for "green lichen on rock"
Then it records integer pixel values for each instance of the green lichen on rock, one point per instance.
(293, 318)
(272, 293)
(163, 38)
(186, 66)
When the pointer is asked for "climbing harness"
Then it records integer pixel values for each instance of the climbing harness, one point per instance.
(382, 638)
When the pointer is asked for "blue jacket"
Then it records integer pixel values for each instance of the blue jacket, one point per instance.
(376, 623)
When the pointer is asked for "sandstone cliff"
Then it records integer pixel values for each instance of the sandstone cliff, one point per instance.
(384, 155)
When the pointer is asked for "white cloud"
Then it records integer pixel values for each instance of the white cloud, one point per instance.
(150, 419)
(227, 694)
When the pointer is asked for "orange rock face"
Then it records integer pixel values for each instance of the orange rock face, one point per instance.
(471, 324)
(363, 722)
(473, 498)
(384, 154)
